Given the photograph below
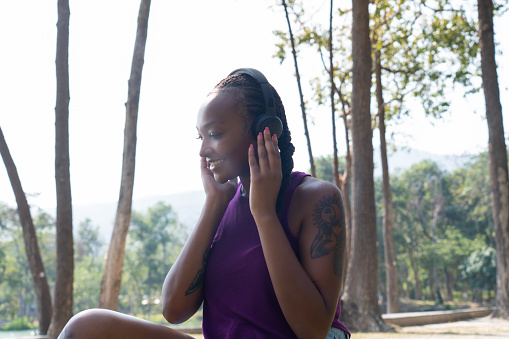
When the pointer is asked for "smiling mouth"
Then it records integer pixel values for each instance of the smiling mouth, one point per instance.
(213, 164)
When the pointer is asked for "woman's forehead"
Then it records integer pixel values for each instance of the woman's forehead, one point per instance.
(217, 107)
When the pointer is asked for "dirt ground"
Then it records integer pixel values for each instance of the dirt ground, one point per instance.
(470, 329)
(476, 328)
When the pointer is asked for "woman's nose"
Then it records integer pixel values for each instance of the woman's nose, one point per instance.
(204, 149)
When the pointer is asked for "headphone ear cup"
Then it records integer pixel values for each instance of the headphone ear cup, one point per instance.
(273, 123)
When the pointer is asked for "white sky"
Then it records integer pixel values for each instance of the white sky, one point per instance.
(191, 46)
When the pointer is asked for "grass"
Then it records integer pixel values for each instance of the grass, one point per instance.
(18, 324)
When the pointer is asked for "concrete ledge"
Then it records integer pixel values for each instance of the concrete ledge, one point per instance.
(435, 317)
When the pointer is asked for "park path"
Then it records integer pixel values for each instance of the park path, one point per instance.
(485, 327)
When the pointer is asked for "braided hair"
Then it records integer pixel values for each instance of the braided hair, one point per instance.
(248, 96)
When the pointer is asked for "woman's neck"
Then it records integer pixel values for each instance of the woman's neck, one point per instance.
(246, 184)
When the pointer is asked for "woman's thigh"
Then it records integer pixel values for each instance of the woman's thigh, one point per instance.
(100, 323)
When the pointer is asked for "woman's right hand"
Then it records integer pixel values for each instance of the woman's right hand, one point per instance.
(214, 190)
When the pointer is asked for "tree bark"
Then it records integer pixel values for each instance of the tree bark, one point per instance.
(360, 302)
(63, 293)
(415, 269)
(449, 281)
(391, 268)
(345, 183)
(497, 154)
(302, 103)
(41, 288)
(432, 283)
(335, 166)
(112, 275)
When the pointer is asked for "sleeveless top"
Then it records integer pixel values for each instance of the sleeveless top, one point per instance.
(239, 300)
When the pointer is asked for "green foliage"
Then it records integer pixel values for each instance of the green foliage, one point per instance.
(16, 287)
(469, 190)
(87, 243)
(155, 240)
(324, 167)
(87, 283)
(19, 324)
(441, 219)
(480, 268)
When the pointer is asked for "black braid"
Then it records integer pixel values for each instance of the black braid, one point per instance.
(248, 95)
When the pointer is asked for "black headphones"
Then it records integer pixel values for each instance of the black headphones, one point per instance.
(269, 118)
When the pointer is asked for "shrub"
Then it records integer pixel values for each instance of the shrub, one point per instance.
(19, 324)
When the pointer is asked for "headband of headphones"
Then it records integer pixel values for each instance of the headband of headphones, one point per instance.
(269, 118)
(264, 84)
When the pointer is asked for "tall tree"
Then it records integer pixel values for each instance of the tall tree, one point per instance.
(332, 100)
(112, 276)
(408, 60)
(42, 293)
(301, 96)
(391, 269)
(360, 303)
(63, 294)
(497, 153)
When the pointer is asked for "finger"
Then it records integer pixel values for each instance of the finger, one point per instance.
(253, 165)
(275, 141)
(204, 166)
(206, 173)
(272, 151)
(262, 153)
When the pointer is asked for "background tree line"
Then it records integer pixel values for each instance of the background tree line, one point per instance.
(153, 244)
(458, 206)
(464, 246)
(405, 55)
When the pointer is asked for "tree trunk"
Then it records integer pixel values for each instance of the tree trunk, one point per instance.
(360, 304)
(432, 284)
(345, 183)
(63, 293)
(335, 166)
(302, 103)
(41, 288)
(449, 281)
(497, 154)
(391, 268)
(112, 275)
(415, 269)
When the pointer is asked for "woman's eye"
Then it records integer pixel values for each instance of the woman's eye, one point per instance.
(199, 137)
(214, 134)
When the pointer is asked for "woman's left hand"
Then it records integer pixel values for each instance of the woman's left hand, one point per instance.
(266, 175)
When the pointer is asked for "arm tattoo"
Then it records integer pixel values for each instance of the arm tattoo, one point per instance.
(197, 282)
(329, 218)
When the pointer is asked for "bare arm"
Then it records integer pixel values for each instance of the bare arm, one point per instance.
(307, 291)
(182, 292)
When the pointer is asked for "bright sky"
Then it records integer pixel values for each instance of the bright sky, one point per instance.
(191, 46)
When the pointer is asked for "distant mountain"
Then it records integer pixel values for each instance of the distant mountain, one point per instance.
(403, 159)
(188, 205)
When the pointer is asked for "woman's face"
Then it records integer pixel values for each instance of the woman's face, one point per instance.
(225, 139)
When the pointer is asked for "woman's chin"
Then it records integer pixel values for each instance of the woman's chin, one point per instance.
(221, 178)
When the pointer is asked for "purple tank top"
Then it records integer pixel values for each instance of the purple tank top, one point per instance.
(239, 300)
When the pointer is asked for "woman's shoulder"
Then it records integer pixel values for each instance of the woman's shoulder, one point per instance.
(311, 186)
(311, 191)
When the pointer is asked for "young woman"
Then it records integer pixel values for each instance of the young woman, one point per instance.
(266, 256)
